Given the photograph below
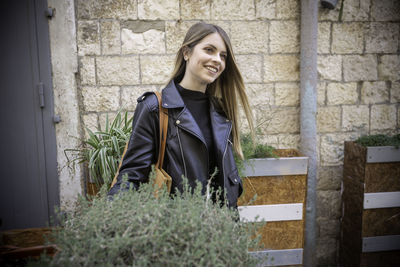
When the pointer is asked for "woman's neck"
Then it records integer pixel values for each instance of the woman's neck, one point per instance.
(192, 85)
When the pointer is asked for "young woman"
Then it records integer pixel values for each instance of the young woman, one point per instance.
(203, 131)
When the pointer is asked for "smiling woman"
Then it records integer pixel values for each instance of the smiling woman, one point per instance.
(201, 100)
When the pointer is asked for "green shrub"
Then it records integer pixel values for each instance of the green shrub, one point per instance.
(137, 229)
(379, 140)
(252, 150)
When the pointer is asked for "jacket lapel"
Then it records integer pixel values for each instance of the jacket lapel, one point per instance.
(172, 99)
(221, 127)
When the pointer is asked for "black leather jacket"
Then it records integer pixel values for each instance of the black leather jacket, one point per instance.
(186, 151)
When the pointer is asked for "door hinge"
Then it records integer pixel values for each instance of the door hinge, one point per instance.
(41, 94)
(49, 12)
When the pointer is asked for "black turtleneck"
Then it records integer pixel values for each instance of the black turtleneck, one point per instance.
(198, 104)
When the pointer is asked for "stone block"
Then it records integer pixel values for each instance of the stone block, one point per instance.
(88, 38)
(383, 117)
(118, 70)
(288, 9)
(265, 9)
(356, 118)
(329, 204)
(324, 37)
(251, 67)
(287, 94)
(382, 37)
(110, 37)
(374, 93)
(260, 94)
(149, 42)
(158, 9)
(175, 33)
(279, 120)
(100, 98)
(249, 37)
(356, 10)
(360, 68)
(87, 71)
(332, 146)
(156, 69)
(328, 227)
(330, 67)
(342, 93)
(325, 14)
(284, 68)
(321, 93)
(348, 38)
(271, 140)
(389, 67)
(395, 92)
(111, 9)
(329, 177)
(388, 10)
(130, 94)
(287, 141)
(232, 10)
(195, 9)
(90, 121)
(326, 250)
(328, 119)
(284, 37)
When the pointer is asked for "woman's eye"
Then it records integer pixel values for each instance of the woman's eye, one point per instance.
(208, 49)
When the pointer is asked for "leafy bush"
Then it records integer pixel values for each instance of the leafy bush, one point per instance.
(252, 150)
(135, 228)
(103, 150)
(379, 140)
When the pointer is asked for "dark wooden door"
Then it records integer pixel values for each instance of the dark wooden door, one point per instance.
(28, 168)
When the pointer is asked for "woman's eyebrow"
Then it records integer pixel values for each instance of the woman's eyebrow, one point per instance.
(213, 46)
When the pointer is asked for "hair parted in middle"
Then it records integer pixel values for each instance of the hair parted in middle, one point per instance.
(227, 86)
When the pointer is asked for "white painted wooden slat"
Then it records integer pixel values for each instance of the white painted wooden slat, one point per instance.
(381, 243)
(279, 257)
(276, 166)
(383, 154)
(381, 200)
(271, 213)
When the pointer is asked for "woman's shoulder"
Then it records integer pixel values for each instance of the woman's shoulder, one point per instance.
(149, 99)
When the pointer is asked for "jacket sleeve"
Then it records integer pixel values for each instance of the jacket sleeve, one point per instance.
(143, 146)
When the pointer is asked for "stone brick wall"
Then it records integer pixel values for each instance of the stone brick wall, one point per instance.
(127, 47)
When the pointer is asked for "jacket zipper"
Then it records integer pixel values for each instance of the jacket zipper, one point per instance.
(180, 146)
(223, 156)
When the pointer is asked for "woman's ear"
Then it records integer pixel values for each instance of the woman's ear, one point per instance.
(186, 53)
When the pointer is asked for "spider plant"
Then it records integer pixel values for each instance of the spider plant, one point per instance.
(101, 152)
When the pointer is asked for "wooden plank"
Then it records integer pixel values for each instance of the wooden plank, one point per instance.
(281, 257)
(383, 154)
(276, 166)
(381, 200)
(354, 161)
(380, 259)
(271, 213)
(273, 190)
(382, 177)
(282, 235)
(381, 243)
(377, 222)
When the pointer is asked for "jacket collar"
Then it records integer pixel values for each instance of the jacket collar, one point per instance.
(171, 97)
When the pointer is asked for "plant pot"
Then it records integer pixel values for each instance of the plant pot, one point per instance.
(281, 186)
(370, 225)
(19, 245)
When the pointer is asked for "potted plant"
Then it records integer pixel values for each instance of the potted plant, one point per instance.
(275, 186)
(102, 150)
(370, 224)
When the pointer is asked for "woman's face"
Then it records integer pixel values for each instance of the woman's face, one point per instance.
(206, 61)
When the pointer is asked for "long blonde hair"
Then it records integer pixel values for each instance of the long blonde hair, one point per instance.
(227, 86)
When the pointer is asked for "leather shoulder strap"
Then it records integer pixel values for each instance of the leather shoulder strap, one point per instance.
(163, 117)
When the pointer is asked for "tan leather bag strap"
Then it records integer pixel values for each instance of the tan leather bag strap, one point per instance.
(163, 117)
